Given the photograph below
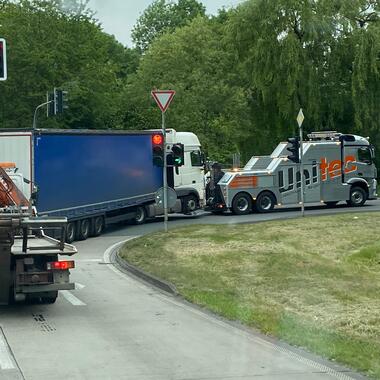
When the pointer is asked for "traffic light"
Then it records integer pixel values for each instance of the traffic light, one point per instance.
(294, 149)
(60, 101)
(158, 150)
(176, 155)
(3, 59)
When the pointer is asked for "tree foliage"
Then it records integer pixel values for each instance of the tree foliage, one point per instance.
(53, 45)
(241, 75)
(164, 16)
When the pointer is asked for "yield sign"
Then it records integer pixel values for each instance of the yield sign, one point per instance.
(163, 98)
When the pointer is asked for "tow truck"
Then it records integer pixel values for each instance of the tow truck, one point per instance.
(29, 266)
(336, 167)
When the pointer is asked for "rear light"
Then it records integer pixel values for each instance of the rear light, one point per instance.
(60, 265)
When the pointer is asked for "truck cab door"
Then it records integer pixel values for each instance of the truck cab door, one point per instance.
(191, 174)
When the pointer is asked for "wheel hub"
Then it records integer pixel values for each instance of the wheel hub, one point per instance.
(243, 204)
(266, 203)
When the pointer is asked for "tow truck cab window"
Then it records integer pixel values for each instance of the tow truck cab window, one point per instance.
(364, 155)
(196, 158)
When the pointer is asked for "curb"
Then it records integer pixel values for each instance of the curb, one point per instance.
(147, 277)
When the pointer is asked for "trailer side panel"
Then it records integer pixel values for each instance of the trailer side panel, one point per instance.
(84, 173)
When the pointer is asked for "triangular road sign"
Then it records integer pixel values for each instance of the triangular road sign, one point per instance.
(163, 98)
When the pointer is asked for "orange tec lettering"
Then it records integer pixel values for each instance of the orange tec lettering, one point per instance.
(333, 169)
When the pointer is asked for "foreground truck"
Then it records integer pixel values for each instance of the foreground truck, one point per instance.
(94, 178)
(29, 264)
(337, 167)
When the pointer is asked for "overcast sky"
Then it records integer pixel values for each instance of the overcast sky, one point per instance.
(119, 16)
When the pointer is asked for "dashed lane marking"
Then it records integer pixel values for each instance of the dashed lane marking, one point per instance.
(71, 298)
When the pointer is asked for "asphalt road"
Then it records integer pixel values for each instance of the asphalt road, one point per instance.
(115, 327)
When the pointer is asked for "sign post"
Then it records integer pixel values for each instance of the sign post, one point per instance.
(300, 119)
(163, 100)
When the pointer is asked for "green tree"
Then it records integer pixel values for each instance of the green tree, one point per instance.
(50, 47)
(320, 55)
(163, 16)
(209, 101)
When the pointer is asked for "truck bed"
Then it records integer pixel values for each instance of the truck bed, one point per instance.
(41, 246)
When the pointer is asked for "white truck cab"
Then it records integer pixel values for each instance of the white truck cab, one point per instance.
(189, 181)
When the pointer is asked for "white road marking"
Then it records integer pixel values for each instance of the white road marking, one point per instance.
(79, 286)
(71, 298)
(6, 359)
(88, 261)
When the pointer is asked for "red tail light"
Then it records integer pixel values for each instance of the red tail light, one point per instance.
(60, 265)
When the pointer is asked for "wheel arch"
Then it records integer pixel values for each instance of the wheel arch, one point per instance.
(184, 192)
(360, 183)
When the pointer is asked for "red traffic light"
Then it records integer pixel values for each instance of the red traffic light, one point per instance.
(157, 139)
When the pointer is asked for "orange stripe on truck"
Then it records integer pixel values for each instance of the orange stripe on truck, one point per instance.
(7, 165)
(244, 181)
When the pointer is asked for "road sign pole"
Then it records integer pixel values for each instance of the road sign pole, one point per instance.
(302, 173)
(163, 100)
(165, 176)
(300, 119)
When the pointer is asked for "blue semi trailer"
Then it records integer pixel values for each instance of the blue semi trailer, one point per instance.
(91, 177)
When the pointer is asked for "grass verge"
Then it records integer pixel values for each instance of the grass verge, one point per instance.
(313, 282)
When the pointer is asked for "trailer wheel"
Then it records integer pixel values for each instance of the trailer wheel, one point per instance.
(358, 197)
(84, 229)
(265, 202)
(70, 232)
(242, 204)
(140, 217)
(49, 297)
(98, 226)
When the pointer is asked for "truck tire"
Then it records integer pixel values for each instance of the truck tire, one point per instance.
(358, 196)
(49, 297)
(140, 217)
(70, 232)
(190, 203)
(265, 202)
(84, 229)
(242, 204)
(98, 226)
